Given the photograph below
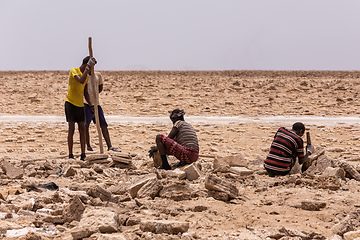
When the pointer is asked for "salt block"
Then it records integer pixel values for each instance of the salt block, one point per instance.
(352, 235)
(311, 205)
(150, 189)
(334, 172)
(70, 171)
(12, 171)
(212, 182)
(319, 165)
(80, 232)
(164, 226)
(336, 149)
(121, 154)
(114, 236)
(99, 192)
(74, 210)
(133, 189)
(242, 171)
(103, 220)
(342, 227)
(96, 157)
(237, 160)
(177, 173)
(221, 196)
(349, 169)
(54, 219)
(121, 159)
(176, 191)
(157, 159)
(133, 220)
(192, 172)
(99, 161)
(15, 191)
(4, 194)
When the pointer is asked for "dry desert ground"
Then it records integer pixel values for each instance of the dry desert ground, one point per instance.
(235, 114)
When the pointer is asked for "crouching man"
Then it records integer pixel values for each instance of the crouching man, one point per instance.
(182, 142)
(285, 148)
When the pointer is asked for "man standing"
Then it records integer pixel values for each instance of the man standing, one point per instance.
(182, 142)
(74, 103)
(286, 146)
(89, 115)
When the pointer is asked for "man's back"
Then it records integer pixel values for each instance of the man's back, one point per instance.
(187, 135)
(285, 147)
(99, 81)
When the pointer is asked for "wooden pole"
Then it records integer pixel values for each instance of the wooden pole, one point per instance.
(307, 163)
(95, 97)
(308, 139)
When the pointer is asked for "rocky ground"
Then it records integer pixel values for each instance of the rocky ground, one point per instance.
(225, 195)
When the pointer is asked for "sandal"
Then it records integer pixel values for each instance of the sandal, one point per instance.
(113, 149)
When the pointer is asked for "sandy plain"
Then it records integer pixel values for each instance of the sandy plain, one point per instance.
(267, 203)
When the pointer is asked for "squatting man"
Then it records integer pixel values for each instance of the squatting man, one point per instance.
(285, 148)
(182, 142)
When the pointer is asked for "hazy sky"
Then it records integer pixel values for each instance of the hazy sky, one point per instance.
(181, 35)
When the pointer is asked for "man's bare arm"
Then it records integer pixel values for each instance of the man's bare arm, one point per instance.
(86, 95)
(174, 131)
(82, 79)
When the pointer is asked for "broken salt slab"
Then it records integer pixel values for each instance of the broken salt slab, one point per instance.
(17, 232)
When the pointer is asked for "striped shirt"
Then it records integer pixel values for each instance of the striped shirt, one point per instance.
(286, 146)
(186, 135)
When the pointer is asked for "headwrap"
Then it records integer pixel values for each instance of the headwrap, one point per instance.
(177, 113)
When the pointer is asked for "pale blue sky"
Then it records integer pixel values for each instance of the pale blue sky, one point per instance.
(181, 35)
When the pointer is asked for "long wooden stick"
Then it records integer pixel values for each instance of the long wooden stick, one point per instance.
(95, 92)
(307, 163)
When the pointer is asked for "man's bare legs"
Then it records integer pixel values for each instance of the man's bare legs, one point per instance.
(87, 138)
(71, 131)
(70, 138)
(106, 135)
(161, 148)
(81, 127)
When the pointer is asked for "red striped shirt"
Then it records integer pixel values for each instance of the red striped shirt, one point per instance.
(286, 146)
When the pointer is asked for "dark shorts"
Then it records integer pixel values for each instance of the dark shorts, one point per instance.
(90, 116)
(184, 154)
(74, 113)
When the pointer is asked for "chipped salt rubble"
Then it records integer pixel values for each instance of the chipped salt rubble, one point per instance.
(97, 199)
